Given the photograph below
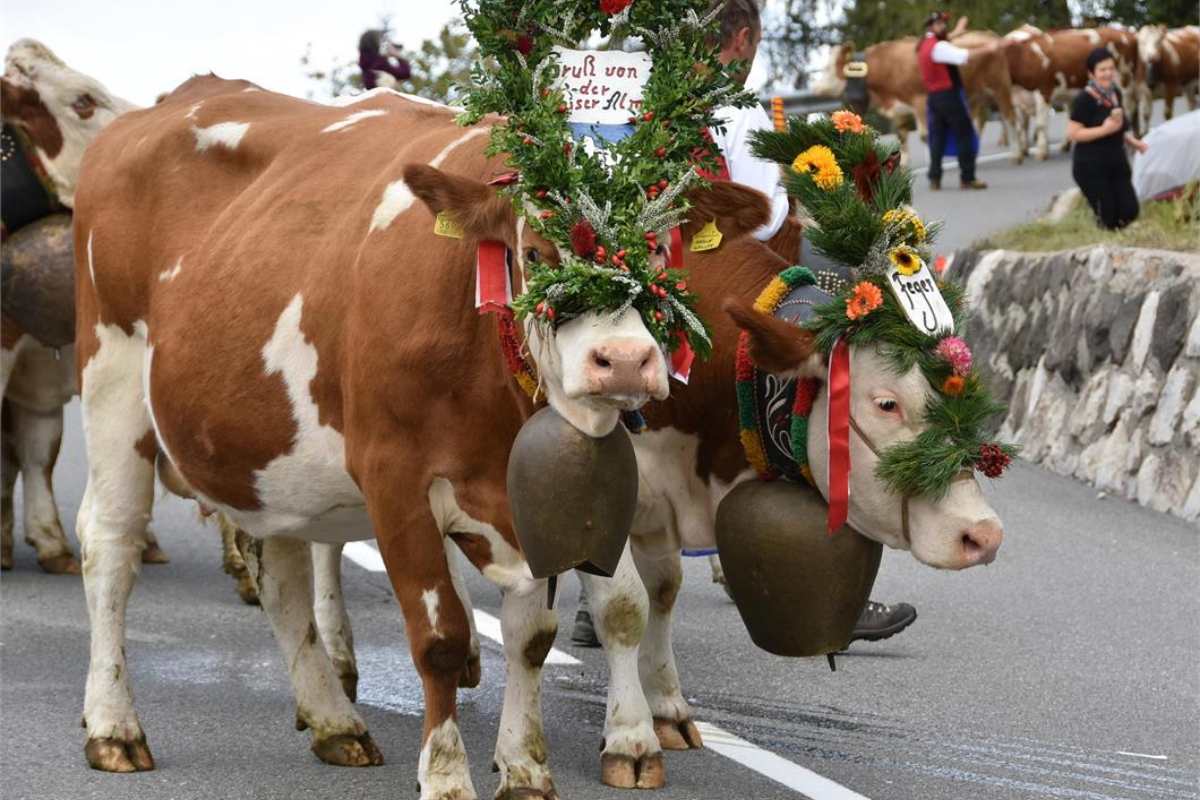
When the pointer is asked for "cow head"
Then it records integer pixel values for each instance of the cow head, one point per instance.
(1150, 50)
(59, 109)
(956, 531)
(592, 367)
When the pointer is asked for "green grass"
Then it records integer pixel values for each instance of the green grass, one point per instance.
(1169, 225)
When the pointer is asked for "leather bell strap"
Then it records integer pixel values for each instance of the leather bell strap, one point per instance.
(839, 435)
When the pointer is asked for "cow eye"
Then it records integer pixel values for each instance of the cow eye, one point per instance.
(887, 405)
(532, 255)
(84, 105)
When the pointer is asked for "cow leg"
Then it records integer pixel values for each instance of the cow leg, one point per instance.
(233, 562)
(632, 756)
(332, 620)
(38, 438)
(112, 518)
(8, 481)
(528, 629)
(1168, 101)
(1041, 120)
(658, 564)
(474, 671)
(339, 735)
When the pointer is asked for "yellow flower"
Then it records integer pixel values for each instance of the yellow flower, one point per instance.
(905, 216)
(906, 259)
(847, 122)
(819, 162)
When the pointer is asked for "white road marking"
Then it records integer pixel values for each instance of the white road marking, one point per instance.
(486, 624)
(1141, 755)
(778, 769)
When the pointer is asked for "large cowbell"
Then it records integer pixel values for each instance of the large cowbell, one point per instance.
(798, 589)
(37, 287)
(573, 496)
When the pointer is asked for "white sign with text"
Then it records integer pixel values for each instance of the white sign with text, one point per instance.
(603, 89)
(922, 301)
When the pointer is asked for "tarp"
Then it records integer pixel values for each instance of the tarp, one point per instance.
(1173, 157)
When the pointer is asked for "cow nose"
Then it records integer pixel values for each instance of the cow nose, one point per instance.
(622, 368)
(981, 542)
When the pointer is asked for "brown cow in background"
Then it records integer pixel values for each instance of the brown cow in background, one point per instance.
(896, 90)
(1169, 59)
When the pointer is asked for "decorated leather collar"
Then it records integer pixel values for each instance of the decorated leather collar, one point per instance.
(26, 191)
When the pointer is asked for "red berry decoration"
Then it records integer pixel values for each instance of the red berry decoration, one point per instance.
(601, 253)
(562, 108)
(546, 214)
(663, 184)
(541, 193)
(992, 460)
(566, 148)
(660, 316)
(583, 239)
(524, 44)
(660, 152)
(649, 115)
(549, 312)
(539, 309)
(614, 6)
(681, 286)
(528, 140)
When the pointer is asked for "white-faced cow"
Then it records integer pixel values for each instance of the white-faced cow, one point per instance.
(1170, 63)
(896, 90)
(344, 387)
(56, 112)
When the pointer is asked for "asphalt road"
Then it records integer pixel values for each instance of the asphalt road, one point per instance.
(1067, 669)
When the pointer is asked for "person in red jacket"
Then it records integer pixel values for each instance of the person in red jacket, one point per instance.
(947, 102)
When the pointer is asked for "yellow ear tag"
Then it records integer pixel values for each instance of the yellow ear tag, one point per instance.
(446, 225)
(707, 238)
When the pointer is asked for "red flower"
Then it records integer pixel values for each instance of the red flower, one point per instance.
(614, 6)
(583, 239)
(866, 174)
(524, 44)
(992, 460)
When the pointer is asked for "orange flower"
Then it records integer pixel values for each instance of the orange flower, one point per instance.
(866, 298)
(954, 385)
(847, 122)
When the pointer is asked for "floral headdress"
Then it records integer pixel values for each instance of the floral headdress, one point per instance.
(607, 211)
(851, 184)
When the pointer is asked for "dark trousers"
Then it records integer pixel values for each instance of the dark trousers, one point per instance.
(948, 117)
(1108, 187)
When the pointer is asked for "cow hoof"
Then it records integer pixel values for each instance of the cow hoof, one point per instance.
(472, 674)
(526, 793)
(247, 589)
(62, 564)
(6, 561)
(153, 554)
(677, 734)
(114, 755)
(350, 685)
(626, 772)
(348, 750)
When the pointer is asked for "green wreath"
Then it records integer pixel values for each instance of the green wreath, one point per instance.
(607, 216)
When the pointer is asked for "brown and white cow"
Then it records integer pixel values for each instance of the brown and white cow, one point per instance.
(1053, 65)
(896, 90)
(1169, 59)
(342, 387)
(59, 111)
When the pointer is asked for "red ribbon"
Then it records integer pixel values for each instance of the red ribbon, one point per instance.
(682, 358)
(676, 249)
(839, 435)
(493, 286)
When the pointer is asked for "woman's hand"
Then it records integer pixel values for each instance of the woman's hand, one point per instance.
(1137, 144)
(1113, 122)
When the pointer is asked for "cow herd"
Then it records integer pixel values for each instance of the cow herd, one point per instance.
(267, 323)
(1038, 70)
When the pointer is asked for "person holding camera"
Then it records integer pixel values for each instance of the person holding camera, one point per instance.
(381, 61)
(1100, 131)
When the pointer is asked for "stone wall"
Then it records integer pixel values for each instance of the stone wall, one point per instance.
(1097, 353)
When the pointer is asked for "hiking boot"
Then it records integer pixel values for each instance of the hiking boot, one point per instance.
(584, 632)
(879, 621)
(935, 184)
(975, 184)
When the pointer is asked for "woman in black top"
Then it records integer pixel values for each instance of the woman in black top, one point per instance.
(1100, 131)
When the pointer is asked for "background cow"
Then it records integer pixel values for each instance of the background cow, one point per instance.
(345, 386)
(1170, 65)
(59, 111)
(896, 91)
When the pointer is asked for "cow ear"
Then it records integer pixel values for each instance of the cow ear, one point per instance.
(737, 210)
(776, 346)
(482, 212)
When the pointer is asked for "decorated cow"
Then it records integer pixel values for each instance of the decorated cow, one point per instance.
(347, 385)
(51, 114)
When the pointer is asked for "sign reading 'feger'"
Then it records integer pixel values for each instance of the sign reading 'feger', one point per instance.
(922, 301)
(603, 90)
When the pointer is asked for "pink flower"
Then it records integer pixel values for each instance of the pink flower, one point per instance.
(955, 351)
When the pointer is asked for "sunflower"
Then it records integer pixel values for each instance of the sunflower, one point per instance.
(819, 162)
(905, 259)
(906, 216)
(847, 122)
(866, 298)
